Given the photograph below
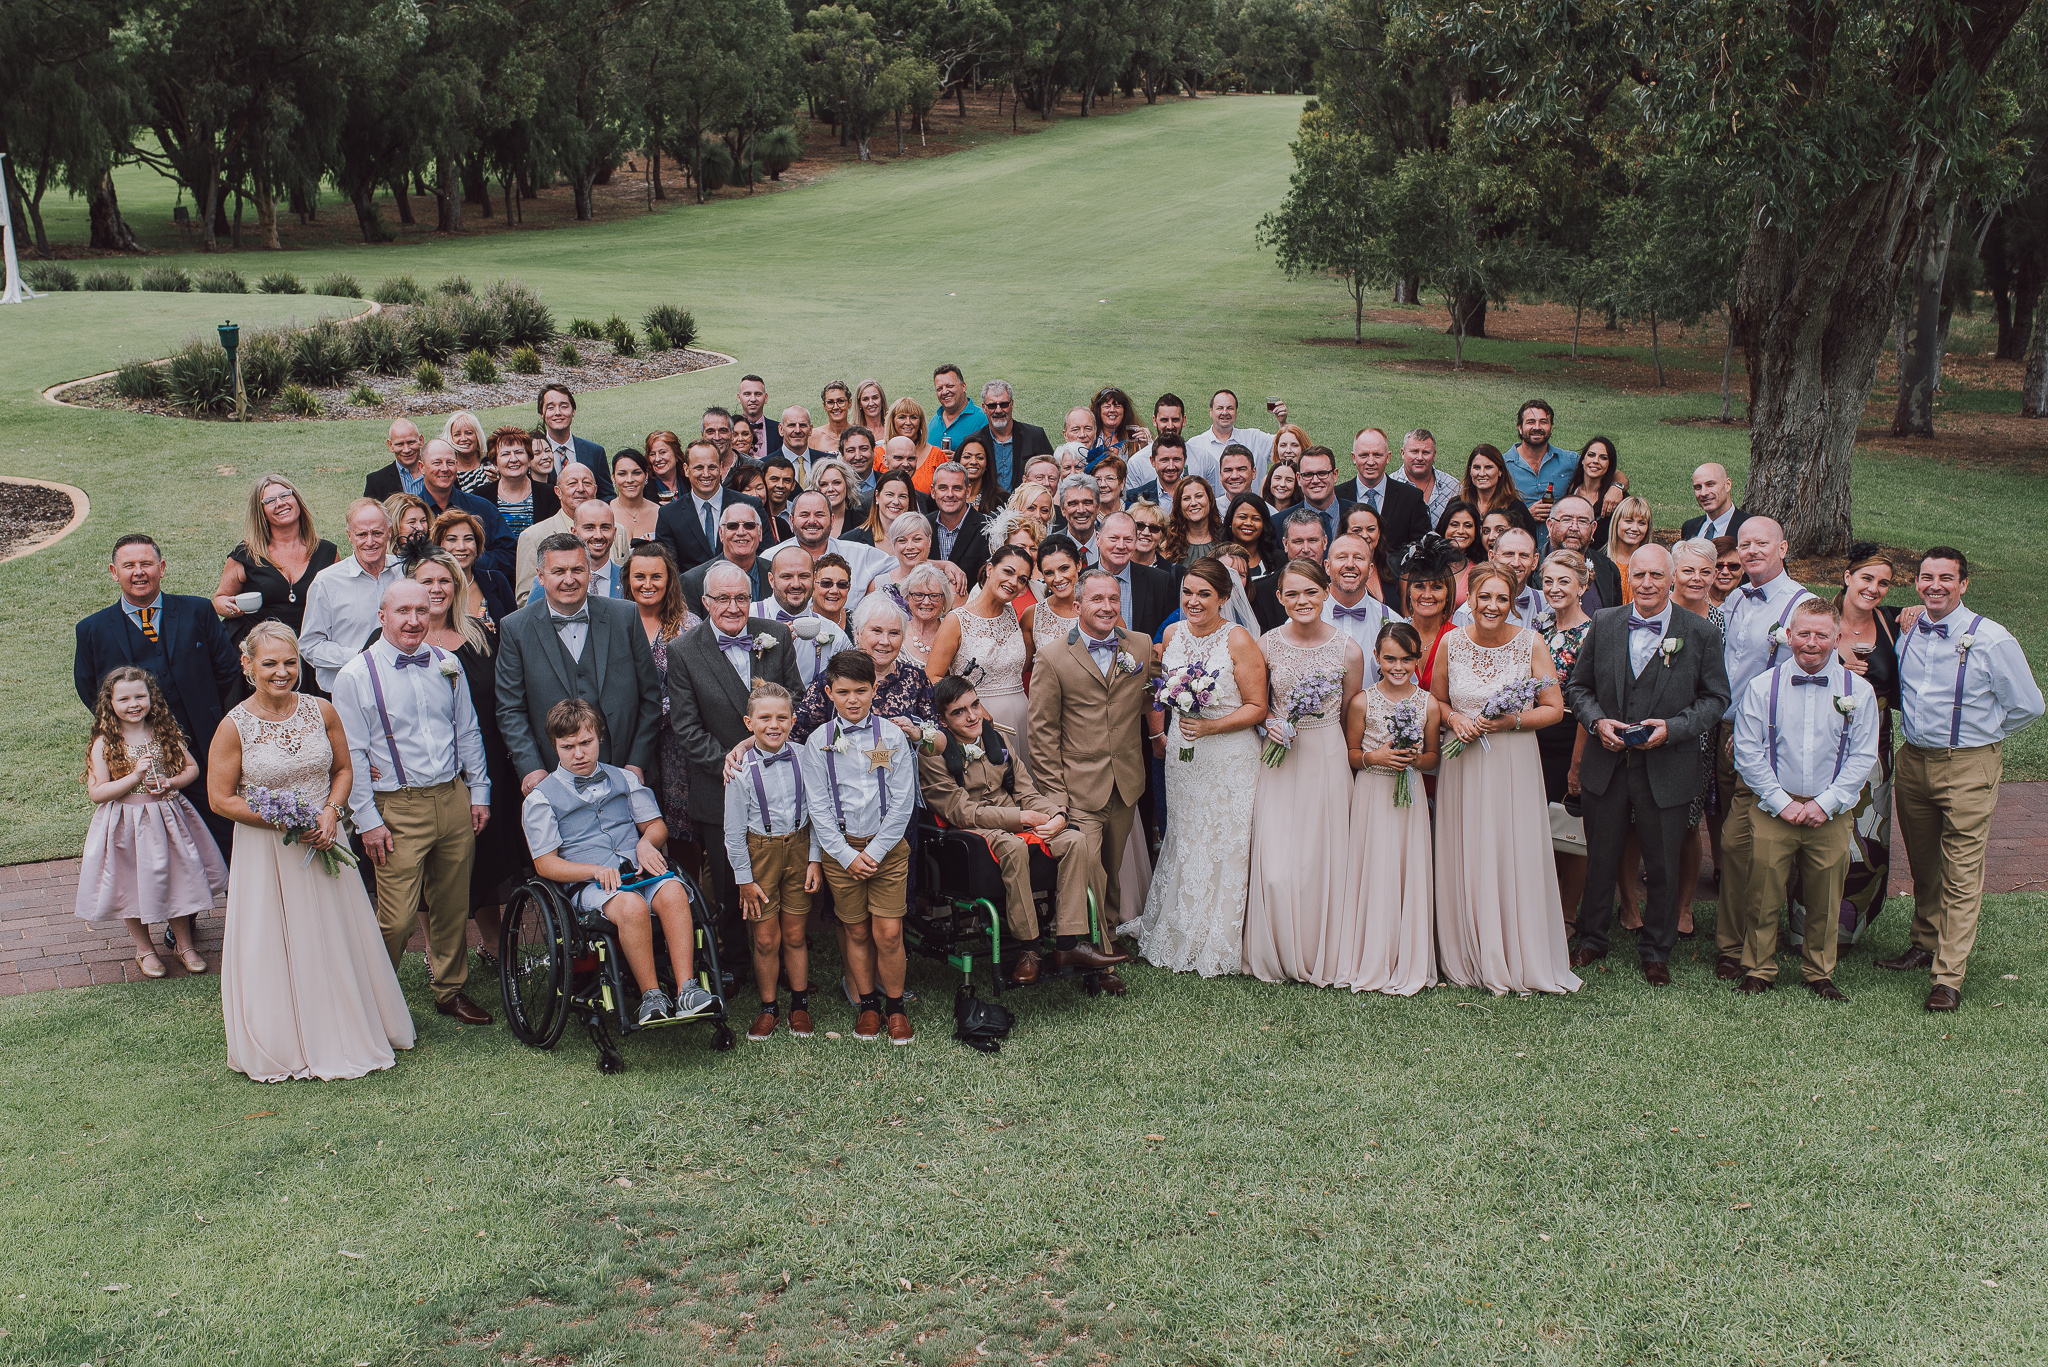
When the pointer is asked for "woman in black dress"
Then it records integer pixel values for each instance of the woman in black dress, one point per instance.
(1563, 623)
(462, 535)
(655, 587)
(279, 555)
(1869, 645)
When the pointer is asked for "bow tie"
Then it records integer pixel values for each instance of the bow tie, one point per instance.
(1938, 628)
(419, 661)
(581, 614)
(726, 642)
(783, 615)
(1820, 679)
(786, 755)
(1096, 647)
(594, 779)
(1636, 623)
(1752, 591)
(1362, 613)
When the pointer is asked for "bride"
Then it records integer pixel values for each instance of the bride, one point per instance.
(306, 986)
(1194, 915)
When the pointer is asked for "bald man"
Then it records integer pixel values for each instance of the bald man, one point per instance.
(1715, 493)
(404, 475)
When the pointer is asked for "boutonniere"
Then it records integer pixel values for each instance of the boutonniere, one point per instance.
(928, 737)
(1546, 620)
(840, 744)
(1126, 662)
(450, 668)
(972, 751)
(1963, 644)
(764, 641)
(1778, 635)
(1668, 647)
(1845, 705)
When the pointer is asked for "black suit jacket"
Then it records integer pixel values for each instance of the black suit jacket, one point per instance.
(1605, 589)
(1692, 527)
(693, 582)
(1689, 691)
(970, 548)
(1404, 515)
(1153, 596)
(1263, 591)
(383, 482)
(1026, 441)
(678, 528)
(534, 673)
(708, 704)
(204, 672)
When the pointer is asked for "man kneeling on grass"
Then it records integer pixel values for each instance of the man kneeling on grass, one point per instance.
(860, 781)
(774, 858)
(590, 825)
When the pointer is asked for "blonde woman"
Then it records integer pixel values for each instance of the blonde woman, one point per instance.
(411, 519)
(906, 419)
(835, 479)
(1034, 500)
(473, 457)
(279, 555)
(1151, 520)
(1628, 533)
(872, 404)
(837, 398)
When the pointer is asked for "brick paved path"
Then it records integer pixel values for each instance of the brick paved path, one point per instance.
(43, 945)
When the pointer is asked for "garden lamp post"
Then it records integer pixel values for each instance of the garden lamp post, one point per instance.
(231, 341)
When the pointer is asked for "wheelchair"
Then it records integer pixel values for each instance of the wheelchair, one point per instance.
(957, 915)
(556, 961)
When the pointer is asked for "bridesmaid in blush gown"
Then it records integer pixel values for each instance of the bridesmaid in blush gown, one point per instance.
(1301, 810)
(306, 987)
(1499, 922)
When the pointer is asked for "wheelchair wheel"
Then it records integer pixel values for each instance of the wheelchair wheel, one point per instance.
(533, 967)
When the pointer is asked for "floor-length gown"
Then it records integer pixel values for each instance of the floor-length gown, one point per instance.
(1134, 873)
(1499, 922)
(991, 657)
(1387, 939)
(1301, 822)
(306, 986)
(1194, 916)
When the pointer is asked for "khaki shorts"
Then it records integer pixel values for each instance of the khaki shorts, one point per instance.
(886, 894)
(779, 863)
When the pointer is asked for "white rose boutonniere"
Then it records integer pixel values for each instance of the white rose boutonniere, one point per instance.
(764, 641)
(841, 744)
(1668, 647)
(927, 737)
(1845, 705)
(451, 668)
(1778, 635)
(973, 751)
(1546, 621)
(1963, 644)
(1126, 662)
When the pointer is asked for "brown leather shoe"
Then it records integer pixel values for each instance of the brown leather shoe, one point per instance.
(464, 1010)
(868, 1026)
(1657, 975)
(1110, 983)
(1753, 986)
(1943, 998)
(1025, 969)
(1826, 990)
(1583, 956)
(800, 1023)
(1089, 957)
(899, 1029)
(1728, 968)
(763, 1027)
(1914, 957)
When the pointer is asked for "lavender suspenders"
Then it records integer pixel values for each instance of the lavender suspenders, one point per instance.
(1955, 717)
(832, 769)
(384, 714)
(1841, 746)
(754, 767)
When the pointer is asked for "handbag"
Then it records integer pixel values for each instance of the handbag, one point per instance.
(1567, 829)
(980, 1025)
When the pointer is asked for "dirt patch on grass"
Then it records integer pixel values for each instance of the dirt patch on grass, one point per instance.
(1370, 343)
(31, 514)
(1970, 440)
(1448, 367)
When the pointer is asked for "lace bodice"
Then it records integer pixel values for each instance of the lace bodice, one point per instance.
(1048, 626)
(1378, 709)
(996, 647)
(1291, 666)
(290, 754)
(1212, 650)
(1477, 671)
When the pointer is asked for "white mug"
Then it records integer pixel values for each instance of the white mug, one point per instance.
(248, 602)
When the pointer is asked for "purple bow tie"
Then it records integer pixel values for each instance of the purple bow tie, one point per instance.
(726, 642)
(1096, 647)
(784, 615)
(1820, 679)
(1938, 628)
(1362, 613)
(419, 661)
(786, 755)
(1636, 623)
(1752, 591)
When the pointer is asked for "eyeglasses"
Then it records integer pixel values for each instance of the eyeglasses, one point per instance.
(728, 600)
(741, 526)
(926, 597)
(1318, 474)
(276, 499)
(833, 585)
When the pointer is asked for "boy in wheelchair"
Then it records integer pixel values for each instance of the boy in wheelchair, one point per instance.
(975, 786)
(591, 826)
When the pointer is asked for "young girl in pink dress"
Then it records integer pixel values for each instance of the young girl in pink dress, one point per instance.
(148, 856)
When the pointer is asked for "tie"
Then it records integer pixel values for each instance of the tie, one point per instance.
(1938, 628)
(1372, 499)
(726, 642)
(786, 755)
(1636, 623)
(584, 782)
(581, 614)
(148, 616)
(1820, 679)
(1752, 591)
(783, 615)
(709, 535)
(1361, 613)
(419, 661)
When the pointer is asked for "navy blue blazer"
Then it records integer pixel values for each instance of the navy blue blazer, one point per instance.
(677, 527)
(203, 672)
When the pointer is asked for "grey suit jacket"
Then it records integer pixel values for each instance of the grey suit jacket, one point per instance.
(1688, 691)
(535, 672)
(707, 703)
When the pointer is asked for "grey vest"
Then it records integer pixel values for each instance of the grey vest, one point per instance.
(592, 832)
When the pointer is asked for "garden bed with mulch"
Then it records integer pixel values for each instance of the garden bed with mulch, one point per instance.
(30, 513)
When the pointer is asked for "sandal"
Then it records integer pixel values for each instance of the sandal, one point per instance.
(145, 960)
(193, 961)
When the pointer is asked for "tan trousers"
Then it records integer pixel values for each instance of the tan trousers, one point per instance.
(1727, 934)
(1104, 832)
(1070, 903)
(1754, 889)
(433, 846)
(1945, 800)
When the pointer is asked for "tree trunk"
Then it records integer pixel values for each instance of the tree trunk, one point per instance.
(2034, 390)
(110, 231)
(1579, 316)
(475, 189)
(17, 202)
(509, 202)
(900, 150)
(1727, 361)
(447, 196)
(1472, 308)
(365, 201)
(583, 178)
(404, 201)
(1812, 325)
(266, 214)
(1656, 352)
(1357, 308)
(2026, 301)
(1920, 353)
(209, 210)
(236, 239)
(960, 94)
(654, 164)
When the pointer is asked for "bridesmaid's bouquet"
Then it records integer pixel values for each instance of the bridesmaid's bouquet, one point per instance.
(1185, 691)
(1311, 698)
(295, 820)
(1506, 700)
(1404, 732)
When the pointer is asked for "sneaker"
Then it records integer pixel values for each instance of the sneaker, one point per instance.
(869, 1026)
(800, 1023)
(654, 1006)
(694, 1001)
(899, 1029)
(763, 1027)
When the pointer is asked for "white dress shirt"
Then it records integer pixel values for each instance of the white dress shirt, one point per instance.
(1205, 450)
(810, 655)
(1643, 645)
(1748, 620)
(341, 612)
(433, 734)
(544, 832)
(865, 561)
(571, 633)
(1716, 526)
(743, 808)
(1814, 750)
(860, 789)
(1364, 630)
(1998, 696)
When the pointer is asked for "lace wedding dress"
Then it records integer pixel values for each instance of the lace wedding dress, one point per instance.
(991, 656)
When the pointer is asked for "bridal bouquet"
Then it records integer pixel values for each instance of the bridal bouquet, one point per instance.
(1404, 732)
(1311, 698)
(1507, 700)
(296, 820)
(1185, 691)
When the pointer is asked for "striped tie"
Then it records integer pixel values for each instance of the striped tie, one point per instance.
(148, 616)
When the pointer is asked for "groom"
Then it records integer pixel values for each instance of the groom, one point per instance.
(406, 712)
(1649, 683)
(1090, 699)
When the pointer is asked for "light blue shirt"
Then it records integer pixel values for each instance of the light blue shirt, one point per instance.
(156, 608)
(1555, 473)
(433, 736)
(860, 791)
(1746, 646)
(413, 481)
(1810, 738)
(1999, 694)
(1374, 496)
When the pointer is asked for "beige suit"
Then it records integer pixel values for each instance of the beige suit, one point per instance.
(978, 804)
(1088, 747)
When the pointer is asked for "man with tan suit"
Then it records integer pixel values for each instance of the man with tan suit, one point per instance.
(974, 785)
(1091, 697)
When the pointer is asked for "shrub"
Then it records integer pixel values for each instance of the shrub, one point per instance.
(585, 329)
(778, 148)
(624, 344)
(398, 289)
(657, 340)
(298, 401)
(321, 356)
(454, 285)
(430, 332)
(569, 355)
(479, 324)
(379, 344)
(50, 277)
(524, 361)
(141, 380)
(266, 363)
(717, 165)
(676, 324)
(166, 280)
(479, 368)
(108, 280)
(362, 396)
(200, 380)
(340, 285)
(527, 320)
(220, 280)
(279, 282)
(427, 376)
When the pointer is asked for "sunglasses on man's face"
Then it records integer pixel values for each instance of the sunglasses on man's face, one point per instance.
(740, 526)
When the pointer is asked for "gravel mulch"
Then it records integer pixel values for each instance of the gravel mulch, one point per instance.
(29, 513)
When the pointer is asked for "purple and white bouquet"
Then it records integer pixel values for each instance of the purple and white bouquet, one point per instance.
(1506, 701)
(295, 820)
(1185, 691)
(1311, 698)
(1404, 732)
